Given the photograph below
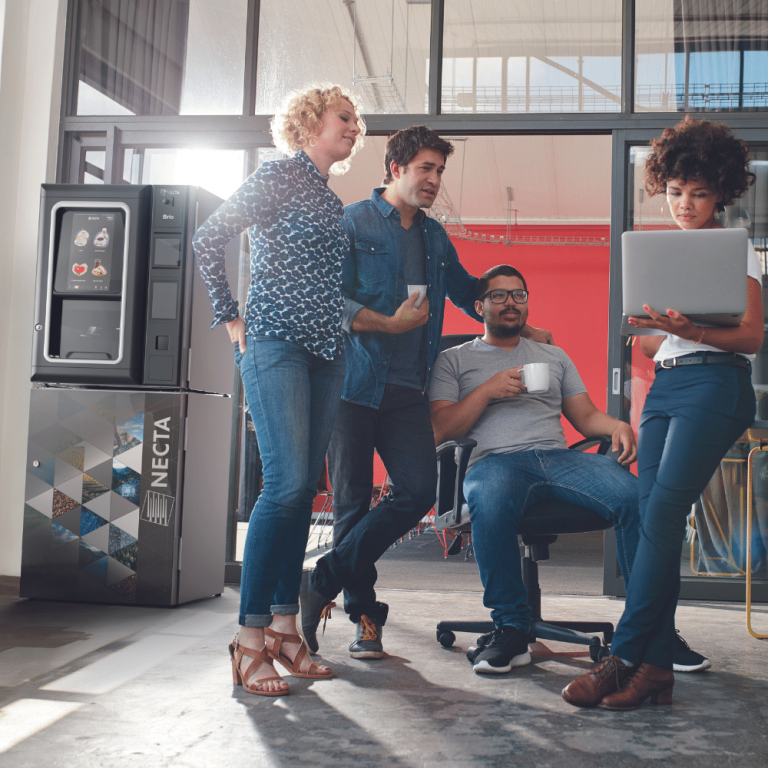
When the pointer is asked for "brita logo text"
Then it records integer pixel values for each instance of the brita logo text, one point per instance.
(161, 446)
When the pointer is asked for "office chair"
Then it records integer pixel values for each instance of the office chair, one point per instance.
(540, 525)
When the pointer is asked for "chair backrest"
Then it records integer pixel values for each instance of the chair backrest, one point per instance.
(454, 339)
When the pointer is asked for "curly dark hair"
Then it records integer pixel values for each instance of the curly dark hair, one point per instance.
(404, 145)
(505, 270)
(699, 149)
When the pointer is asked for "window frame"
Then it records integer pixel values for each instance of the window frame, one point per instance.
(249, 131)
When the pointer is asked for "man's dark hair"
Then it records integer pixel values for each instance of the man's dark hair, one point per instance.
(500, 269)
(404, 145)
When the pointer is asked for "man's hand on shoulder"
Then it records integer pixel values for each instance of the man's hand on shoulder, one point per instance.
(540, 335)
(506, 383)
(623, 439)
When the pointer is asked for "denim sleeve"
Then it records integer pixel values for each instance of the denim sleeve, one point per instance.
(259, 196)
(351, 307)
(461, 286)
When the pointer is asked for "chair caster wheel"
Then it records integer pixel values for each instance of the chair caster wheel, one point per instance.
(599, 652)
(446, 639)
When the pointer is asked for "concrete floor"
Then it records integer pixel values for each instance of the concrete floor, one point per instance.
(121, 686)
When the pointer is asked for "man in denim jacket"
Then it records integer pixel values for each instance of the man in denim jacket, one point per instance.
(392, 341)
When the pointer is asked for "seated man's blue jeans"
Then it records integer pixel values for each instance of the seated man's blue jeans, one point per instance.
(293, 397)
(500, 487)
(400, 430)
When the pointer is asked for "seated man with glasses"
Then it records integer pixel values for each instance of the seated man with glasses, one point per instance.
(476, 391)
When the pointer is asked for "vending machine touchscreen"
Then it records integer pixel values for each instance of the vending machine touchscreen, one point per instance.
(90, 257)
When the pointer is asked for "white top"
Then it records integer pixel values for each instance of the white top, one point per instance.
(674, 346)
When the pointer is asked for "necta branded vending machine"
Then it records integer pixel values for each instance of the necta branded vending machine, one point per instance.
(131, 411)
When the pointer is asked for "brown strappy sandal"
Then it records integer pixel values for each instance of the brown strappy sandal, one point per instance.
(237, 652)
(301, 665)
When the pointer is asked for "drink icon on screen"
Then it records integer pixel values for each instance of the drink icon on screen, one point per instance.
(79, 269)
(101, 240)
(82, 238)
(98, 270)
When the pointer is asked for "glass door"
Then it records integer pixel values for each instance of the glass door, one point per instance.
(714, 557)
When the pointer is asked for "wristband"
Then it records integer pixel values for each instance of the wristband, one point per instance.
(701, 338)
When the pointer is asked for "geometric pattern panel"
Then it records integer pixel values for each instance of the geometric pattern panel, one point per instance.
(90, 521)
(63, 471)
(60, 535)
(119, 506)
(43, 503)
(102, 474)
(98, 538)
(129, 523)
(126, 482)
(84, 535)
(124, 441)
(133, 458)
(92, 488)
(134, 426)
(44, 471)
(74, 455)
(62, 503)
(72, 488)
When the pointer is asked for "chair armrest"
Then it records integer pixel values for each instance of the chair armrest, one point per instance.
(603, 442)
(452, 459)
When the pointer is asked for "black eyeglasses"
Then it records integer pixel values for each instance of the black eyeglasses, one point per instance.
(499, 296)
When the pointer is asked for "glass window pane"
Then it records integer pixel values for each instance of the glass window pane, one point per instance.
(161, 57)
(700, 56)
(378, 48)
(515, 56)
(220, 171)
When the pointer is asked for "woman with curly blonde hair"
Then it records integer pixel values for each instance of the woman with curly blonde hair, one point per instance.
(700, 403)
(290, 352)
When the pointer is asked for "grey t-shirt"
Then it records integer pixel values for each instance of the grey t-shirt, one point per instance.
(407, 366)
(515, 423)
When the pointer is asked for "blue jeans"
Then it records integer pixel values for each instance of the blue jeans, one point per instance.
(691, 418)
(500, 487)
(400, 430)
(293, 397)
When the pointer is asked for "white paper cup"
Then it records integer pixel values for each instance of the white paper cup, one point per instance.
(422, 289)
(536, 377)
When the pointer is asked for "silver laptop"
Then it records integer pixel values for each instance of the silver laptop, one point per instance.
(701, 273)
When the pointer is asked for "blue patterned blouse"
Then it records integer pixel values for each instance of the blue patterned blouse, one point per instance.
(297, 245)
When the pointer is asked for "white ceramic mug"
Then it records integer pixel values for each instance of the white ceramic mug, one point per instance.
(422, 289)
(536, 377)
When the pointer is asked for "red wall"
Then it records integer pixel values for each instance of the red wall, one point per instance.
(568, 287)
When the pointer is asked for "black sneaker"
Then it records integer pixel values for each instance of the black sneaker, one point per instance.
(686, 660)
(506, 648)
(367, 642)
(481, 641)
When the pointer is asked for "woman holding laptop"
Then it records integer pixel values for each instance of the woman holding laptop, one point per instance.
(700, 403)
(289, 347)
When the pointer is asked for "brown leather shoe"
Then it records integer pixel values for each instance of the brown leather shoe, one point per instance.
(647, 680)
(604, 678)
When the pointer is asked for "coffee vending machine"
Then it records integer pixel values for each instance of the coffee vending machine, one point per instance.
(131, 411)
